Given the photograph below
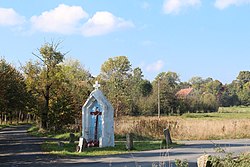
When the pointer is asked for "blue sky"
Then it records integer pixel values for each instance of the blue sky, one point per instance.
(206, 38)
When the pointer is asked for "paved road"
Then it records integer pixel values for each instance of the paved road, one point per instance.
(18, 149)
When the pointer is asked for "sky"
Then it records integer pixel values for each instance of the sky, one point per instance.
(205, 38)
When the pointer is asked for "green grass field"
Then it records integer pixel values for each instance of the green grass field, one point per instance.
(223, 113)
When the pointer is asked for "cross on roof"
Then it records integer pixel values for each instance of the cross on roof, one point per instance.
(96, 85)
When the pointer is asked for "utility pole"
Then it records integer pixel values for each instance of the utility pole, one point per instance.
(159, 104)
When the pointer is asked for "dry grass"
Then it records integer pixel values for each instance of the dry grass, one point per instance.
(183, 128)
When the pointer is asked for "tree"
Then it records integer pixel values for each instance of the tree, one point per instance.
(77, 79)
(13, 94)
(139, 88)
(41, 76)
(206, 95)
(115, 75)
(210, 103)
(244, 77)
(167, 83)
(244, 95)
(145, 88)
(64, 108)
(76, 83)
(196, 82)
(215, 88)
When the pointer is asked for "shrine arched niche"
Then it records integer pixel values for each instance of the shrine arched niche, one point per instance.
(95, 113)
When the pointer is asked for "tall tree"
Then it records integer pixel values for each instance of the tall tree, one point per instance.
(13, 94)
(115, 74)
(166, 86)
(215, 88)
(76, 84)
(41, 76)
(139, 88)
(197, 83)
(244, 94)
(244, 76)
(77, 79)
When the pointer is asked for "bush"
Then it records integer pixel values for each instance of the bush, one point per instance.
(229, 160)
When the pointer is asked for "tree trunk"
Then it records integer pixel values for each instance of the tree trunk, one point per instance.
(22, 117)
(11, 116)
(17, 117)
(18, 114)
(44, 116)
(28, 118)
(5, 118)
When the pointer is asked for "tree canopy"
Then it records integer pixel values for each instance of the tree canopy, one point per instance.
(53, 90)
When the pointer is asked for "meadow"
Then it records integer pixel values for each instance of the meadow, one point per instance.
(227, 123)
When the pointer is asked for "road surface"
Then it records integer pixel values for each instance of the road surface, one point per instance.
(18, 149)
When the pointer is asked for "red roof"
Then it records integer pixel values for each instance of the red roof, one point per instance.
(184, 92)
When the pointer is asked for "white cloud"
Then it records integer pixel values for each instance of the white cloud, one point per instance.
(66, 19)
(175, 6)
(9, 17)
(222, 4)
(63, 19)
(104, 22)
(155, 67)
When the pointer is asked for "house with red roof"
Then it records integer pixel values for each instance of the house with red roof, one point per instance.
(184, 93)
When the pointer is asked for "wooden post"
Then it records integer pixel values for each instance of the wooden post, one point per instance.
(167, 136)
(129, 141)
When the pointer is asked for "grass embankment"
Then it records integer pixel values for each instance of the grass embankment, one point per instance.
(70, 149)
(228, 123)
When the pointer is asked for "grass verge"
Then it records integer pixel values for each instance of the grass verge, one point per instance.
(13, 124)
(4, 126)
(34, 130)
(70, 149)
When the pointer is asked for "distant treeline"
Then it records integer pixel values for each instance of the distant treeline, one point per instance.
(52, 90)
